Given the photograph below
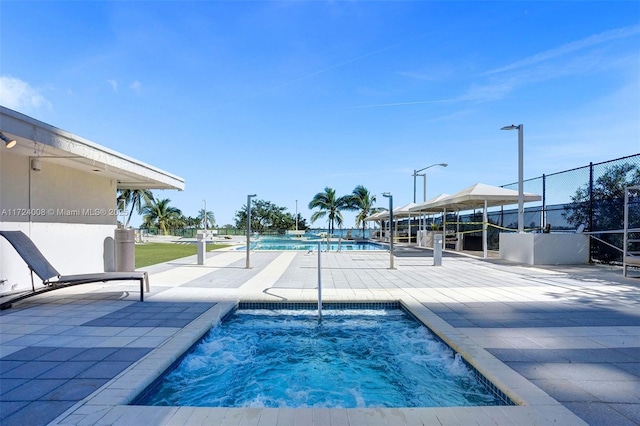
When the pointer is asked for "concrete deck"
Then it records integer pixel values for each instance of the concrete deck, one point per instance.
(564, 343)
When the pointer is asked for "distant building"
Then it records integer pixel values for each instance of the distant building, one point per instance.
(60, 189)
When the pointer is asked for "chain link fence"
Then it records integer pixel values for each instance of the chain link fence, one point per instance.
(591, 195)
(190, 232)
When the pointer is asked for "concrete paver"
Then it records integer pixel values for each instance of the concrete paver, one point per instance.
(564, 340)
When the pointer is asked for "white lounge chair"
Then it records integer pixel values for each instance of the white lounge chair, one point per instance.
(51, 278)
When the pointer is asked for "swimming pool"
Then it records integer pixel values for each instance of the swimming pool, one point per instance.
(306, 245)
(354, 358)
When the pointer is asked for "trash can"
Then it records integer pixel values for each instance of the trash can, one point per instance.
(125, 250)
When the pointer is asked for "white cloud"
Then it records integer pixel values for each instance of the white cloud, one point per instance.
(136, 86)
(20, 95)
(114, 84)
(572, 47)
(489, 92)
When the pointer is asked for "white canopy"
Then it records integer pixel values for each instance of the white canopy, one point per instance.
(426, 206)
(476, 196)
(383, 214)
(404, 211)
(398, 212)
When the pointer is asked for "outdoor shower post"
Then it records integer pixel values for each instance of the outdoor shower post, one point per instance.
(249, 197)
(390, 197)
(201, 243)
(319, 281)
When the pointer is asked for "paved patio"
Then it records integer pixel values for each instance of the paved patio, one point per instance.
(562, 342)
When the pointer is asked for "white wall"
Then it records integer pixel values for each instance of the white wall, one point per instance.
(55, 194)
(72, 214)
(70, 248)
(545, 249)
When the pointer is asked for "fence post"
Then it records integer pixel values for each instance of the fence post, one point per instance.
(590, 207)
(543, 219)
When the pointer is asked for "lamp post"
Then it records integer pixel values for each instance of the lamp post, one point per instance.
(296, 215)
(415, 173)
(424, 186)
(249, 197)
(390, 197)
(520, 129)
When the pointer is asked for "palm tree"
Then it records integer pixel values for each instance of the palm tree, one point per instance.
(210, 219)
(329, 205)
(362, 200)
(159, 213)
(135, 199)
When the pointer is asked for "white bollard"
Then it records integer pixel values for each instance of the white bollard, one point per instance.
(437, 250)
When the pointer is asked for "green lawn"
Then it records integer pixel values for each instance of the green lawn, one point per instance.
(152, 253)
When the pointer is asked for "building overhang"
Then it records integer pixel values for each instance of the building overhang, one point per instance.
(52, 145)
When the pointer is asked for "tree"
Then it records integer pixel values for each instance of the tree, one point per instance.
(362, 200)
(302, 223)
(329, 205)
(159, 213)
(603, 207)
(192, 222)
(134, 199)
(210, 219)
(266, 216)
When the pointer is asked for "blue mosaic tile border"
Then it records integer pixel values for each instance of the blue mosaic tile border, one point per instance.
(314, 305)
(496, 391)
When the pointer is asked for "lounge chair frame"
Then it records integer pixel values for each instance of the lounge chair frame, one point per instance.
(51, 278)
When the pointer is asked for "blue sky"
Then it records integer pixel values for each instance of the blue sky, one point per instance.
(282, 99)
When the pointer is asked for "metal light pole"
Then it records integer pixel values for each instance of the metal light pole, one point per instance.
(424, 186)
(390, 197)
(415, 173)
(249, 197)
(296, 215)
(520, 129)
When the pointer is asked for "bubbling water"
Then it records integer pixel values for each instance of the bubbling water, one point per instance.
(354, 358)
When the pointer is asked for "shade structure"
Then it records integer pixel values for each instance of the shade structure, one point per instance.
(378, 217)
(423, 209)
(381, 215)
(398, 212)
(426, 206)
(478, 195)
(404, 211)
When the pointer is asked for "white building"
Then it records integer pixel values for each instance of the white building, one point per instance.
(60, 190)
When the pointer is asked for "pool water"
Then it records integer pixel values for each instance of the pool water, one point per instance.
(354, 358)
(292, 244)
